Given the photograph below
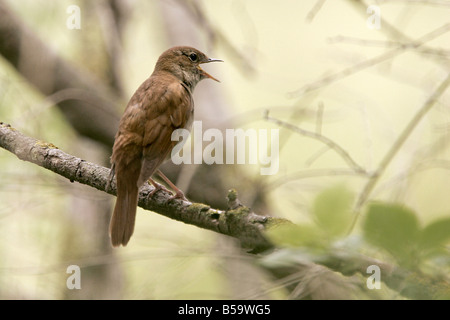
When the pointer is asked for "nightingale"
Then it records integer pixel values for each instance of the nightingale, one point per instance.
(162, 104)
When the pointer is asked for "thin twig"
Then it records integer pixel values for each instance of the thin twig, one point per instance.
(441, 53)
(319, 118)
(314, 173)
(369, 62)
(315, 10)
(395, 148)
(330, 143)
(444, 3)
(214, 36)
(393, 32)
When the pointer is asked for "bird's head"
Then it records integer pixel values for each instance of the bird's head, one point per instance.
(184, 63)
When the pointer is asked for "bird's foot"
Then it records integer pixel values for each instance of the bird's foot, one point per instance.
(157, 187)
(179, 195)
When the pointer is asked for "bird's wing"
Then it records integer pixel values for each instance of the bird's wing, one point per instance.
(173, 109)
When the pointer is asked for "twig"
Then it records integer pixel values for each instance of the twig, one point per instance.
(397, 146)
(315, 10)
(330, 143)
(216, 36)
(392, 31)
(319, 118)
(369, 62)
(313, 173)
(389, 44)
(443, 3)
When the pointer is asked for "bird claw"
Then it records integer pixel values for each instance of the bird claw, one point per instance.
(157, 187)
(179, 195)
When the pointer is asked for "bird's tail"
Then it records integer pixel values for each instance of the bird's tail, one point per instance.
(123, 219)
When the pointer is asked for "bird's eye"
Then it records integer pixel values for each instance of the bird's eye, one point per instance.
(193, 57)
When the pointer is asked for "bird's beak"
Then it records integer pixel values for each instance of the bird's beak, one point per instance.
(206, 74)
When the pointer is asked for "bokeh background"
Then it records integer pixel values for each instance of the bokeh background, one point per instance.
(322, 66)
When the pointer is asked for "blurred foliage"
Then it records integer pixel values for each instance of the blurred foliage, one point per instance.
(396, 229)
(332, 216)
(332, 210)
(389, 231)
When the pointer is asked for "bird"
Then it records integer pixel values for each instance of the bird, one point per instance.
(162, 104)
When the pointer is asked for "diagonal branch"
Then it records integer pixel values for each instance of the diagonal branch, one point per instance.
(238, 221)
(370, 62)
(327, 141)
(315, 9)
(396, 146)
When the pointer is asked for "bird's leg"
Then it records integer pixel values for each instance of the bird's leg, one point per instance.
(110, 178)
(157, 187)
(178, 193)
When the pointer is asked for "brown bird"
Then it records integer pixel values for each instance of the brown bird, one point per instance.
(162, 104)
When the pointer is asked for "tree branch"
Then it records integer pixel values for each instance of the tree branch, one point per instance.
(238, 221)
(326, 80)
(327, 141)
(397, 145)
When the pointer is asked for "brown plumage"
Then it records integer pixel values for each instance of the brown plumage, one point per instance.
(162, 104)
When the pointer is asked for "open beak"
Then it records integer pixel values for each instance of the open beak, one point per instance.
(206, 74)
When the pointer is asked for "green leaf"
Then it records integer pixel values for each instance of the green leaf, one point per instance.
(332, 210)
(393, 228)
(436, 234)
(285, 257)
(292, 235)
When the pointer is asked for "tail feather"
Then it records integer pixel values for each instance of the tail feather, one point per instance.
(123, 219)
(129, 179)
